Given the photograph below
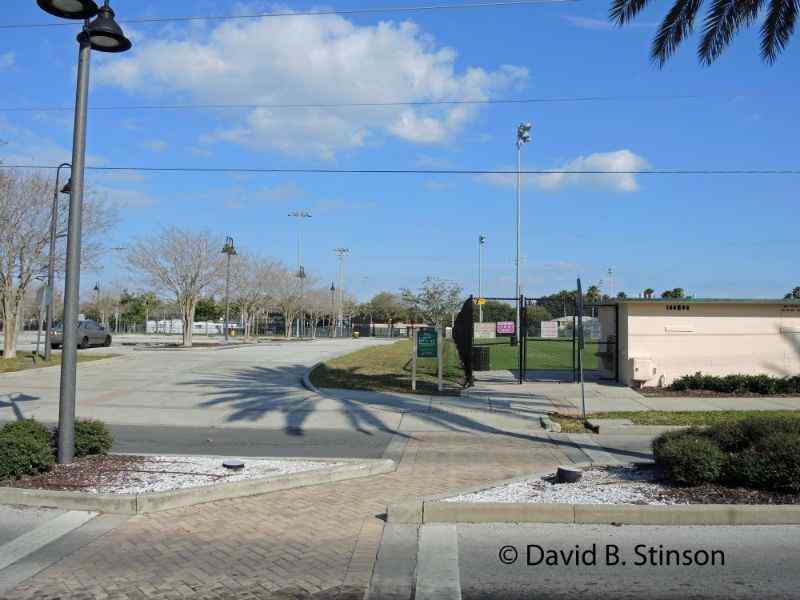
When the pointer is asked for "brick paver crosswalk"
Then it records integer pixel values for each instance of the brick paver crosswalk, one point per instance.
(317, 542)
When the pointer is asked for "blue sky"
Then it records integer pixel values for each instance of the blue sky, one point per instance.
(716, 236)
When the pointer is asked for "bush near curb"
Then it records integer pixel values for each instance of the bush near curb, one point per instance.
(92, 437)
(29, 448)
(690, 459)
(759, 452)
(762, 385)
(25, 449)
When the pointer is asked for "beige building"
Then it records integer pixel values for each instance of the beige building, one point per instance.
(663, 339)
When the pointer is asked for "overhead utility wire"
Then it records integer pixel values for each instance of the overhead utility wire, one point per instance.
(395, 103)
(425, 171)
(313, 13)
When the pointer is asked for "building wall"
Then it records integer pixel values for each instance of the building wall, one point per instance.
(717, 339)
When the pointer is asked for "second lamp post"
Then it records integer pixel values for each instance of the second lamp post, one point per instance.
(230, 251)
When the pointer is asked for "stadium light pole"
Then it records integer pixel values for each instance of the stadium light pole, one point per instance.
(301, 272)
(51, 259)
(523, 137)
(481, 243)
(104, 35)
(229, 250)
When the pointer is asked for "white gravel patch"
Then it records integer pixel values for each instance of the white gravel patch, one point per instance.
(616, 485)
(167, 473)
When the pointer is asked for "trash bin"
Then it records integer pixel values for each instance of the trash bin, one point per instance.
(480, 358)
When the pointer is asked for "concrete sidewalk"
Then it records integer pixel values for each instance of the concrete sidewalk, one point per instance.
(602, 396)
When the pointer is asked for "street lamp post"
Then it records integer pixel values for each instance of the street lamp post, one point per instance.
(229, 250)
(523, 137)
(51, 261)
(333, 308)
(104, 35)
(301, 272)
(481, 242)
(342, 254)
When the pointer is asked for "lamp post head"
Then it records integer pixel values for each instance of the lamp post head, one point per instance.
(524, 133)
(481, 239)
(97, 287)
(229, 248)
(69, 9)
(104, 34)
(67, 189)
(333, 287)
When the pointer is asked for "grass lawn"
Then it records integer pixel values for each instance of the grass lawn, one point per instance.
(664, 417)
(388, 369)
(542, 354)
(24, 361)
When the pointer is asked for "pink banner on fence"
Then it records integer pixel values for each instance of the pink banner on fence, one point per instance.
(505, 327)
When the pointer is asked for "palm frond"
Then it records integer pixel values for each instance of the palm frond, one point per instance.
(678, 23)
(778, 28)
(723, 21)
(623, 11)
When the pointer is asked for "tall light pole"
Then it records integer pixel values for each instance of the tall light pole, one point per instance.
(229, 250)
(301, 272)
(333, 309)
(104, 35)
(523, 137)
(342, 254)
(51, 259)
(481, 243)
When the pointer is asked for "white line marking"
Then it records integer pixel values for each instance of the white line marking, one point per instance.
(50, 531)
(438, 576)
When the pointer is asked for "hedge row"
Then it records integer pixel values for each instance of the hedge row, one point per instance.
(29, 448)
(738, 384)
(759, 452)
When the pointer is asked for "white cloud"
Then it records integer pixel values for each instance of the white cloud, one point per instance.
(618, 163)
(7, 60)
(313, 60)
(126, 198)
(157, 146)
(605, 24)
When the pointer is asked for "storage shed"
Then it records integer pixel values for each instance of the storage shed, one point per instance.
(659, 340)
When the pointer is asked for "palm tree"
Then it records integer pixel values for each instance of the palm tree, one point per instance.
(648, 293)
(722, 22)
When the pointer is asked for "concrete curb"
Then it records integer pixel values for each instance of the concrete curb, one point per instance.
(80, 364)
(307, 379)
(434, 509)
(159, 501)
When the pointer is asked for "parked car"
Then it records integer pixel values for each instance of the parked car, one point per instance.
(90, 333)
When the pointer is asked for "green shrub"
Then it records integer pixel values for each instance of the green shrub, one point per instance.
(689, 457)
(24, 455)
(771, 464)
(28, 429)
(737, 435)
(92, 437)
(738, 384)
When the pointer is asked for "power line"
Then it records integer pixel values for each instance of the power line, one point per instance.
(234, 170)
(311, 13)
(396, 103)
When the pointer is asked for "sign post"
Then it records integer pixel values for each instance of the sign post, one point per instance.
(439, 344)
(427, 347)
(413, 359)
(581, 346)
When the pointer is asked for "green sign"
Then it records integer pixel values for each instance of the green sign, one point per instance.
(426, 343)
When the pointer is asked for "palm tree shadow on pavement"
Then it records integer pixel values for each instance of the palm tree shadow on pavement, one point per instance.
(256, 392)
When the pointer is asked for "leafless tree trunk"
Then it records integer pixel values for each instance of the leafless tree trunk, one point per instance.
(25, 217)
(184, 263)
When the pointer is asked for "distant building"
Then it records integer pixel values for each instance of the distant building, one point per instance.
(655, 341)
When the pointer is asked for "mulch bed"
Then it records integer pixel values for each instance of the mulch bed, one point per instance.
(656, 392)
(84, 473)
(718, 494)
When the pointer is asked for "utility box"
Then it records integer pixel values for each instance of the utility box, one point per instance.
(642, 369)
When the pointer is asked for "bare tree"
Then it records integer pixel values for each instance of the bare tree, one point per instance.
(437, 301)
(25, 216)
(252, 282)
(287, 297)
(182, 262)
